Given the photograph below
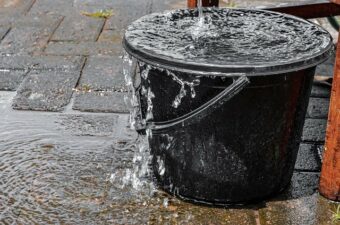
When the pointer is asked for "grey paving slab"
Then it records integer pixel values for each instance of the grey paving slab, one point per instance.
(314, 130)
(308, 158)
(60, 63)
(46, 90)
(83, 48)
(11, 79)
(60, 7)
(103, 73)
(78, 28)
(3, 32)
(318, 108)
(25, 40)
(107, 102)
(321, 91)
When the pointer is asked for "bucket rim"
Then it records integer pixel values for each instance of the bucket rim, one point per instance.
(172, 64)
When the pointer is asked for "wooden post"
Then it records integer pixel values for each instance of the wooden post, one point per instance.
(330, 174)
(205, 3)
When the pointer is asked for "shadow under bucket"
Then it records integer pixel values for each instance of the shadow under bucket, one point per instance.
(228, 106)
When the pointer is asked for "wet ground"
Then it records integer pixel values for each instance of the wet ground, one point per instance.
(60, 147)
(56, 169)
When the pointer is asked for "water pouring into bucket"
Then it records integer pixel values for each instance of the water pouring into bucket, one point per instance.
(228, 105)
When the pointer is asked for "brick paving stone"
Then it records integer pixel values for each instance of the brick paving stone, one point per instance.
(119, 22)
(302, 184)
(318, 108)
(308, 158)
(111, 36)
(83, 48)
(6, 21)
(112, 125)
(131, 212)
(326, 68)
(46, 90)
(314, 130)
(106, 102)
(60, 7)
(11, 79)
(95, 4)
(78, 28)
(320, 149)
(25, 40)
(3, 32)
(103, 73)
(300, 204)
(126, 16)
(321, 91)
(16, 7)
(310, 210)
(30, 20)
(60, 63)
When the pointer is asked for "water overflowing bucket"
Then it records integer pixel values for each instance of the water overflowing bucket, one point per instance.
(225, 110)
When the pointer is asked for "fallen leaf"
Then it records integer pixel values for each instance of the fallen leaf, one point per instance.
(100, 14)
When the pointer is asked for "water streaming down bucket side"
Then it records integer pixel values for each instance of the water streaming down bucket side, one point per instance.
(182, 93)
(138, 176)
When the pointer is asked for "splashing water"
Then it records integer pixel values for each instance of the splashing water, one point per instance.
(149, 113)
(131, 99)
(182, 93)
(203, 27)
(161, 167)
(138, 176)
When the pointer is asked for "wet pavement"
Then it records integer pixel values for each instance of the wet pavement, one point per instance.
(64, 126)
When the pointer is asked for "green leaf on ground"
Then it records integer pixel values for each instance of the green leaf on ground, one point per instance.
(336, 215)
(99, 14)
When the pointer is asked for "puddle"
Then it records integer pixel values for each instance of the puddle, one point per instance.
(56, 169)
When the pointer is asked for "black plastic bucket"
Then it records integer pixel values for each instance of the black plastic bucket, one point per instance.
(236, 141)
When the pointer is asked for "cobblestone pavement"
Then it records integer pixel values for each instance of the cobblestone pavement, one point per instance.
(56, 60)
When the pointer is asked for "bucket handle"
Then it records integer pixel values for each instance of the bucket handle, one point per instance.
(204, 110)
